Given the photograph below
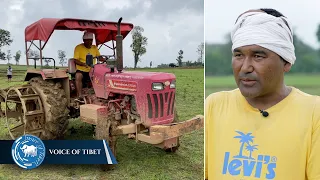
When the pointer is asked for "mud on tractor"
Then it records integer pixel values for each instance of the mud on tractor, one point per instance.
(140, 105)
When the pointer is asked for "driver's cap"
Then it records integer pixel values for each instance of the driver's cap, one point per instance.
(87, 35)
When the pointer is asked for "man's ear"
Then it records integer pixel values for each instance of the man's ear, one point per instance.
(287, 66)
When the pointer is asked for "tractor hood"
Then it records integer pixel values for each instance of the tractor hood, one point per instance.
(101, 70)
(129, 81)
(135, 75)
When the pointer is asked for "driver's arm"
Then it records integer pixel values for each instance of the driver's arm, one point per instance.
(79, 62)
(76, 57)
(101, 59)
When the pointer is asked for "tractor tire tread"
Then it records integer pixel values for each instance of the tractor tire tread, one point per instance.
(55, 104)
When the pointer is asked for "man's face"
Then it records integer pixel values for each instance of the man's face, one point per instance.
(257, 71)
(87, 42)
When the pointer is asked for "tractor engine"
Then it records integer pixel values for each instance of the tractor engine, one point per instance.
(124, 109)
(145, 96)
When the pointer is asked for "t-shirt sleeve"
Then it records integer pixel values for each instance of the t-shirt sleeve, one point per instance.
(97, 51)
(76, 54)
(313, 164)
(97, 54)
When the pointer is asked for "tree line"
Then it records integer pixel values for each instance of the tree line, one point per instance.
(6, 40)
(218, 57)
(181, 63)
(140, 42)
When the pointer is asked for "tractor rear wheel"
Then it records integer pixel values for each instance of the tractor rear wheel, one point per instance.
(55, 106)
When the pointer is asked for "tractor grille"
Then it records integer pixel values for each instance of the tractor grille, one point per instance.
(160, 104)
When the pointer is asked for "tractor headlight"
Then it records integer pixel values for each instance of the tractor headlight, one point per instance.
(173, 84)
(157, 86)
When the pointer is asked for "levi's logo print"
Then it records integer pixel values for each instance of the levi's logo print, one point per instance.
(248, 162)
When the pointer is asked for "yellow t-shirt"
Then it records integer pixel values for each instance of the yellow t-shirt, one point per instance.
(241, 144)
(80, 53)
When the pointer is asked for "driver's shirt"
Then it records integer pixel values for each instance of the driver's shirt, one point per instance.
(80, 53)
(241, 144)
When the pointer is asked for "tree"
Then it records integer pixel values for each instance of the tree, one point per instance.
(180, 57)
(318, 33)
(139, 43)
(9, 56)
(150, 64)
(2, 55)
(62, 57)
(5, 40)
(33, 54)
(17, 57)
(318, 36)
(200, 52)
(47, 62)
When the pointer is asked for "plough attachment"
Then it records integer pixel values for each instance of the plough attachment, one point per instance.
(22, 108)
(162, 136)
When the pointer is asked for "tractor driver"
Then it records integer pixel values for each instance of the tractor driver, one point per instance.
(80, 53)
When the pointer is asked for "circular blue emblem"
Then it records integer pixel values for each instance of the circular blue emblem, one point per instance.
(28, 151)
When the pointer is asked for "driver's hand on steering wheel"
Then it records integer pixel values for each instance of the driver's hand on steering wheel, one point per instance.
(102, 59)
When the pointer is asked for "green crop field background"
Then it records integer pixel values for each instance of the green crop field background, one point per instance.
(136, 160)
(309, 83)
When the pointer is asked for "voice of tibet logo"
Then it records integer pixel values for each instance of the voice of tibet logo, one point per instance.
(28, 151)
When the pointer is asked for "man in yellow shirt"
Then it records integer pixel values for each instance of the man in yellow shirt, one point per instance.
(80, 53)
(264, 129)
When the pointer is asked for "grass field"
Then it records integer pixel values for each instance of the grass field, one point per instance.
(307, 83)
(136, 160)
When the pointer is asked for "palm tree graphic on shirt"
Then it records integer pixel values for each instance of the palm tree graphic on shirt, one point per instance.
(251, 148)
(245, 139)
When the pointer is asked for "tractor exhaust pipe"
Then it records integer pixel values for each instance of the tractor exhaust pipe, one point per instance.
(119, 39)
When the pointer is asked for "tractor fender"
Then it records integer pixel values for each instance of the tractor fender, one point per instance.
(46, 74)
(51, 74)
(30, 75)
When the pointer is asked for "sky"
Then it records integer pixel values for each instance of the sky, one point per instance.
(220, 16)
(168, 25)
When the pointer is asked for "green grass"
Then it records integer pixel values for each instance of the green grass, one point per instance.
(305, 82)
(136, 160)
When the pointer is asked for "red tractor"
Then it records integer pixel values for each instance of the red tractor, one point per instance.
(117, 102)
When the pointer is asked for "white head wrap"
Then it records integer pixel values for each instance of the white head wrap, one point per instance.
(262, 29)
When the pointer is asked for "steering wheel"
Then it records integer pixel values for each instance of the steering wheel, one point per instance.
(103, 56)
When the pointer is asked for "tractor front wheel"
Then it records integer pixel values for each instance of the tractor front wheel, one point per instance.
(173, 149)
(103, 132)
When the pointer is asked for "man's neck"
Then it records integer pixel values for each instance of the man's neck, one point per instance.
(266, 101)
(88, 47)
